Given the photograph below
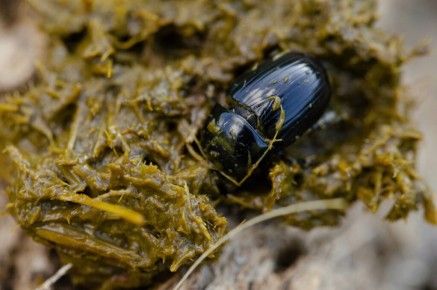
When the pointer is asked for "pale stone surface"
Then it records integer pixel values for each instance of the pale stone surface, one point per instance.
(20, 46)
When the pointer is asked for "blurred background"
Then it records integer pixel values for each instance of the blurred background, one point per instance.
(373, 253)
(416, 21)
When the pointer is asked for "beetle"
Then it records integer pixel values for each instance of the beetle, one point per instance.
(269, 108)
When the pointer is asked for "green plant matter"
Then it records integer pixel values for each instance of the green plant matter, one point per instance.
(102, 163)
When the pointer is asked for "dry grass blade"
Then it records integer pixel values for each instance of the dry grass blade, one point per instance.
(52, 280)
(326, 204)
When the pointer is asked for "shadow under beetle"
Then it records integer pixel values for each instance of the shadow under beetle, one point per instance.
(269, 108)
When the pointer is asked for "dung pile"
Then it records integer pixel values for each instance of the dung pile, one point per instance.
(100, 141)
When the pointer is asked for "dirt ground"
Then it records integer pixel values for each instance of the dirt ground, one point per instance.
(364, 253)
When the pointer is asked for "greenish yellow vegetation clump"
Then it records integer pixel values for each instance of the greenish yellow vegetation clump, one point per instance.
(99, 165)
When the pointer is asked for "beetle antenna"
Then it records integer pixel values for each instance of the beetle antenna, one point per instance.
(199, 157)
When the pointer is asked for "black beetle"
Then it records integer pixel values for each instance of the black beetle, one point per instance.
(269, 108)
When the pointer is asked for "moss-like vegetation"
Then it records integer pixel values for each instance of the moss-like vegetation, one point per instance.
(99, 141)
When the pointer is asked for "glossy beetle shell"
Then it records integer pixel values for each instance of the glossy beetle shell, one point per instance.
(235, 138)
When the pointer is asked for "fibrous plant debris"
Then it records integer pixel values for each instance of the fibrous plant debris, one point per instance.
(98, 141)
